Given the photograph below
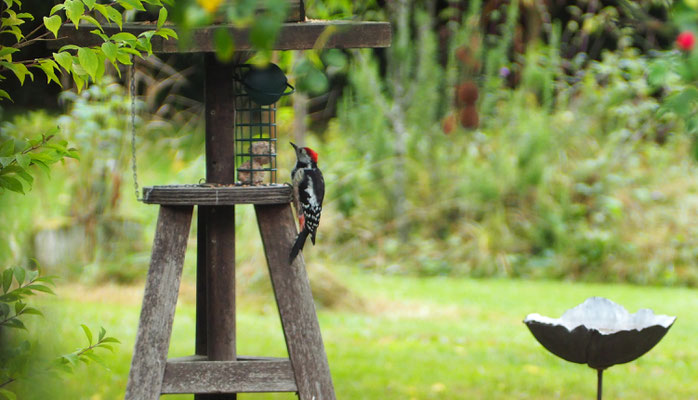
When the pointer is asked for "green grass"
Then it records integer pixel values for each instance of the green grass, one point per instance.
(434, 338)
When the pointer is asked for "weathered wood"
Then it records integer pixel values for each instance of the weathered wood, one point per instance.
(292, 36)
(199, 375)
(159, 301)
(296, 11)
(295, 302)
(200, 335)
(220, 221)
(211, 195)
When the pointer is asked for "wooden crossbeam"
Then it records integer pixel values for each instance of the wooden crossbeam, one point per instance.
(195, 374)
(292, 36)
(214, 195)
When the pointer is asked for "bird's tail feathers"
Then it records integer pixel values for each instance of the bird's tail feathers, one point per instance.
(298, 245)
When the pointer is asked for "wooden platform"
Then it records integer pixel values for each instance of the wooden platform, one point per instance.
(196, 374)
(293, 36)
(216, 195)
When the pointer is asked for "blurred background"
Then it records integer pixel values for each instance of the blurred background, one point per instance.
(500, 158)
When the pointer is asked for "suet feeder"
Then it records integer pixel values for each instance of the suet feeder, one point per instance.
(257, 91)
(599, 333)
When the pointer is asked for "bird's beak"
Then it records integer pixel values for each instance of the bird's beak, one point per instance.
(294, 146)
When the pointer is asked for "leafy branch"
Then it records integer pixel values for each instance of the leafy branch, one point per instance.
(28, 283)
(83, 64)
(17, 156)
(18, 284)
(86, 354)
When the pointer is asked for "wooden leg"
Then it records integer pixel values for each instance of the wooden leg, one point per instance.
(159, 301)
(220, 288)
(295, 302)
(201, 346)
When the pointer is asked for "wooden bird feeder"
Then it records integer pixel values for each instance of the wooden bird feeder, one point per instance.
(216, 368)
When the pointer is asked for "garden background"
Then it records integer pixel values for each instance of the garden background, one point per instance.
(500, 158)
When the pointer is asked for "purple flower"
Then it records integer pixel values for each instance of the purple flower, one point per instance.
(504, 72)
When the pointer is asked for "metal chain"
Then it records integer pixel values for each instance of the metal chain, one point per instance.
(133, 128)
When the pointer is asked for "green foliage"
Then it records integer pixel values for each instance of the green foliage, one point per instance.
(18, 156)
(565, 177)
(12, 300)
(83, 64)
(18, 285)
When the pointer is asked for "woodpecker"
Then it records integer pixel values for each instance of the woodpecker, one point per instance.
(309, 191)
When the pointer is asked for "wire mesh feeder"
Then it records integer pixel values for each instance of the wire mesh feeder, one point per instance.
(255, 136)
(258, 89)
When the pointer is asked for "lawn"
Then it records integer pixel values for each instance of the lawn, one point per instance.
(411, 338)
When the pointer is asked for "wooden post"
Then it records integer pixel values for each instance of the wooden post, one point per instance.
(159, 301)
(220, 220)
(295, 302)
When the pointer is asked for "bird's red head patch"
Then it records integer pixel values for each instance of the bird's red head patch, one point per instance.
(311, 153)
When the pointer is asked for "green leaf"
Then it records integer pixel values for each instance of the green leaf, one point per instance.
(109, 49)
(57, 8)
(65, 60)
(49, 67)
(71, 358)
(102, 332)
(6, 51)
(115, 15)
(124, 37)
(90, 3)
(6, 393)
(32, 311)
(23, 160)
(223, 42)
(92, 21)
(131, 4)
(4, 310)
(26, 176)
(88, 333)
(12, 184)
(6, 279)
(19, 306)
(89, 61)
(4, 94)
(110, 340)
(20, 70)
(94, 357)
(43, 166)
(15, 323)
(166, 33)
(20, 273)
(53, 24)
(145, 44)
(74, 9)
(263, 33)
(40, 288)
(162, 17)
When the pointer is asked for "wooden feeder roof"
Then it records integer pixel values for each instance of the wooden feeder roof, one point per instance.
(293, 36)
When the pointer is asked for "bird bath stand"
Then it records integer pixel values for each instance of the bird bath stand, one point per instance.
(599, 333)
(216, 371)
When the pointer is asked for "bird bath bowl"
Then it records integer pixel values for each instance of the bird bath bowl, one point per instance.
(599, 333)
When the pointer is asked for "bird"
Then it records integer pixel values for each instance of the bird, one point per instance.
(309, 192)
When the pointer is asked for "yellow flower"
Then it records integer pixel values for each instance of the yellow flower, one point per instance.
(211, 6)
